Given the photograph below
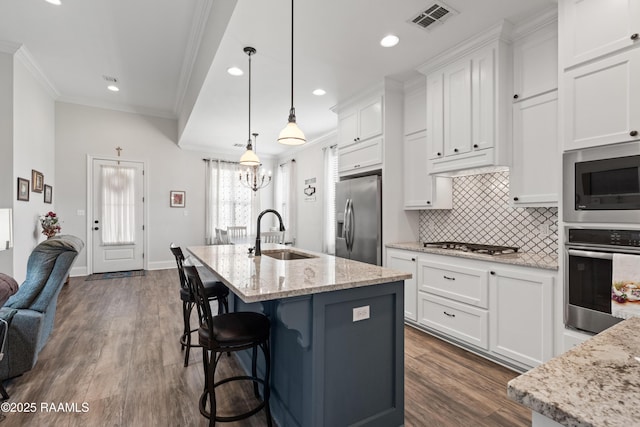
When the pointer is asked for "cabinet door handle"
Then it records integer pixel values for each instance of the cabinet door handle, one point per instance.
(493, 273)
(633, 133)
(428, 202)
(455, 150)
(356, 166)
(439, 154)
(413, 259)
(515, 199)
(515, 96)
(634, 36)
(96, 228)
(449, 314)
(475, 145)
(449, 278)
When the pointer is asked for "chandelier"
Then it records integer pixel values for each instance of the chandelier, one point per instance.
(254, 177)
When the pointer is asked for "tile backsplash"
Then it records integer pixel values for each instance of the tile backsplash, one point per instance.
(481, 214)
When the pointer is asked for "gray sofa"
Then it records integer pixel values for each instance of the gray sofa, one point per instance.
(30, 312)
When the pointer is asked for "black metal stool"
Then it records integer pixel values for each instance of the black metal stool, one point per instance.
(226, 333)
(214, 290)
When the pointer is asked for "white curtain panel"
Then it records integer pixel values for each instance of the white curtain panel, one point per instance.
(329, 205)
(293, 203)
(118, 205)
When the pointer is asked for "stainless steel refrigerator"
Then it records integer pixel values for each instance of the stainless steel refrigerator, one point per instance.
(359, 219)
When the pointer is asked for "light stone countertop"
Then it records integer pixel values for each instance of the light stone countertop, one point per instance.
(596, 383)
(264, 278)
(525, 259)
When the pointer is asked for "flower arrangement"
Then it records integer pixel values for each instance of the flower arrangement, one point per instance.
(50, 226)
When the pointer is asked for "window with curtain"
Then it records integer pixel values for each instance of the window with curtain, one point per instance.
(118, 205)
(227, 201)
(330, 179)
(286, 198)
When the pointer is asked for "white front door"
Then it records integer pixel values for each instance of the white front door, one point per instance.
(117, 223)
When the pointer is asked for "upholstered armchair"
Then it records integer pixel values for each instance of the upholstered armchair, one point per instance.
(30, 312)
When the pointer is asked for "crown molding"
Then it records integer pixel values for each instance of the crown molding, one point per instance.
(9, 47)
(118, 107)
(198, 27)
(532, 24)
(25, 57)
(416, 83)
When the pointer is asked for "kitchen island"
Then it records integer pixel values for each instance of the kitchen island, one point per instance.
(596, 383)
(336, 332)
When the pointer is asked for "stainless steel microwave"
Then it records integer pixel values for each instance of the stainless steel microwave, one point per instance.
(602, 184)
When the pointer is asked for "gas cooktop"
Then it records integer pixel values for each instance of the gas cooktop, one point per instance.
(473, 247)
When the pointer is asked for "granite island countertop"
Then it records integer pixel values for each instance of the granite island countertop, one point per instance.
(265, 278)
(597, 383)
(525, 259)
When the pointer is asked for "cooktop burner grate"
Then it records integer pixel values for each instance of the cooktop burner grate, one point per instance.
(473, 247)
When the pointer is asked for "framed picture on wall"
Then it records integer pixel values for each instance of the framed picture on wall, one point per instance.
(23, 189)
(177, 199)
(48, 193)
(37, 181)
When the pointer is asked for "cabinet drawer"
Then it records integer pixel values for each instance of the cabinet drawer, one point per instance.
(463, 284)
(454, 319)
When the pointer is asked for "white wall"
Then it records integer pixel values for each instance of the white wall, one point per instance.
(82, 131)
(33, 148)
(309, 218)
(7, 180)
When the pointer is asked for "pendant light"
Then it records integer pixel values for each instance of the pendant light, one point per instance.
(253, 177)
(249, 158)
(291, 134)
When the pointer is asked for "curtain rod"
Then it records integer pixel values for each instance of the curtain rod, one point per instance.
(292, 161)
(221, 161)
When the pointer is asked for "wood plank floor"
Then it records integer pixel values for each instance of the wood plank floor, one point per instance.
(115, 346)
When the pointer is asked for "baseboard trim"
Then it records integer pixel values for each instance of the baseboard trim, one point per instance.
(78, 271)
(161, 265)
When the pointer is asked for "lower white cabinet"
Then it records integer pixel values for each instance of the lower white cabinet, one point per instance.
(503, 311)
(522, 314)
(406, 261)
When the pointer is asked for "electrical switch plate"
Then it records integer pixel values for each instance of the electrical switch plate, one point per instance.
(361, 313)
(80, 212)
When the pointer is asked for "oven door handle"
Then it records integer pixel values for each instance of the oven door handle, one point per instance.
(591, 254)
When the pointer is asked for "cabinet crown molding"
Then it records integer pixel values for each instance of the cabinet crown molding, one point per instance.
(499, 32)
(535, 23)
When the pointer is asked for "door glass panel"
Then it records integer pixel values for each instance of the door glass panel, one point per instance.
(118, 205)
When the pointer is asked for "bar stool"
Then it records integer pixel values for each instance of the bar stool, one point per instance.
(215, 291)
(227, 333)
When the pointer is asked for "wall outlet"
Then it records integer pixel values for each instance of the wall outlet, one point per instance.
(361, 313)
(80, 212)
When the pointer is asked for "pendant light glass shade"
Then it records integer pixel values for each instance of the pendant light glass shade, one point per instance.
(291, 134)
(249, 158)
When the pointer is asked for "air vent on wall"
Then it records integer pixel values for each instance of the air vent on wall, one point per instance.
(436, 13)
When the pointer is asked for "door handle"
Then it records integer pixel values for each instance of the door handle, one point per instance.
(352, 222)
(96, 228)
(345, 222)
(590, 254)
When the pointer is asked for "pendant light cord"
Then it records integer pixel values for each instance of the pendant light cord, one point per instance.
(249, 133)
(291, 54)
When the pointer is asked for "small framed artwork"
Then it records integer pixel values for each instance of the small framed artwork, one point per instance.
(37, 181)
(23, 189)
(48, 193)
(177, 199)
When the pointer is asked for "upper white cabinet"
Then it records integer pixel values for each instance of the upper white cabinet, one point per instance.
(602, 101)
(422, 190)
(415, 108)
(535, 117)
(593, 28)
(535, 166)
(468, 89)
(535, 62)
(362, 122)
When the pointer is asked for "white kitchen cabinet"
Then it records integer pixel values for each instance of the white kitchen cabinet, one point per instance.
(467, 105)
(422, 190)
(360, 123)
(448, 279)
(602, 101)
(415, 109)
(406, 261)
(535, 167)
(363, 156)
(593, 28)
(521, 315)
(535, 63)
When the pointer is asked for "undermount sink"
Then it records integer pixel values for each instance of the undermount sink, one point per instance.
(286, 254)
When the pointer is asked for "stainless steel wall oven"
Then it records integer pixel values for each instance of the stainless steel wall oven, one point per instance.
(588, 272)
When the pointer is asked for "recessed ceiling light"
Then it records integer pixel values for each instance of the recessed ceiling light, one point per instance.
(56, 2)
(319, 92)
(113, 88)
(389, 41)
(235, 71)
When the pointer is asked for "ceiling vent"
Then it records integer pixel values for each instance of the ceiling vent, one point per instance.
(110, 79)
(436, 13)
(238, 144)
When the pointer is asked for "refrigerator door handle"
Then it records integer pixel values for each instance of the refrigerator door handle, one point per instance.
(352, 224)
(347, 223)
